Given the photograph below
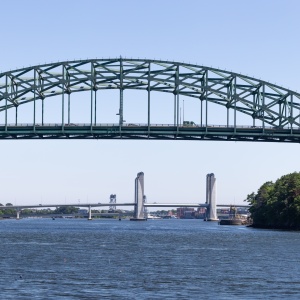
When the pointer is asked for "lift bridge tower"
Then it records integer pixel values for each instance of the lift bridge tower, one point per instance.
(211, 197)
(112, 201)
(139, 198)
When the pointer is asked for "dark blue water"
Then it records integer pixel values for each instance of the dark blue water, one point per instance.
(172, 259)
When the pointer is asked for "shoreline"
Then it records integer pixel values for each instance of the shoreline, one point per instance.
(284, 228)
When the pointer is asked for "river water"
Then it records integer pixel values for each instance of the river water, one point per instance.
(171, 259)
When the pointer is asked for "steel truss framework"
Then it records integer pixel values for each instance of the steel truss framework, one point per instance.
(274, 110)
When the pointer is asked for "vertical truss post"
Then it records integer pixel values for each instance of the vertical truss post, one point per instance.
(16, 115)
(201, 109)
(95, 113)
(40, 86)
(280, 112)
(263, 107)
(6, 95)
(178, 110)
(95, 96)
(229, 98)
(227, 116)
(291, 114)
(149, 103)
(42, 111)
(175, 108)
(34, 95)
(285, 110)
(235, 100)
(201, 100)
(68, 91)
(254, 109)
(177, 96)
(69, 105)
(6, 114)
(92, 91)
(63, 98)
(206, 102)
(121, 94)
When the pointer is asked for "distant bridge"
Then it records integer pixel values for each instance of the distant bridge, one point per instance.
(19, 208)
(251, 109)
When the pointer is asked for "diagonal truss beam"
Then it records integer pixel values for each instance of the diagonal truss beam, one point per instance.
(270, 104)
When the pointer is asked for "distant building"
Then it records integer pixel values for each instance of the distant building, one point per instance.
(201, 213)
(185, 213)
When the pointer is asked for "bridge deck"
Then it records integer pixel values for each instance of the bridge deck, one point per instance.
(154, 131)
(117, 204)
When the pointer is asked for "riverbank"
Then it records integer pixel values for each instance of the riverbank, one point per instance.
(272, 227)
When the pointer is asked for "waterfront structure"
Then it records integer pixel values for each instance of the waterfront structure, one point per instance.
(211, 197)
(112, 201)
(251, 109)
(139, 198)
(185, 213)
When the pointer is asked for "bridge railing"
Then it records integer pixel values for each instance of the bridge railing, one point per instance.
(143, 125)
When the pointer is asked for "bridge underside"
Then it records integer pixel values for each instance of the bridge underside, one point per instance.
(158, 132)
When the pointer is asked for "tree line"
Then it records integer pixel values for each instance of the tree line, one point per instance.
(277, 204)
(45, 211)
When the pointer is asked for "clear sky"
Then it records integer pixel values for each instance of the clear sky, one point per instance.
(256, 38)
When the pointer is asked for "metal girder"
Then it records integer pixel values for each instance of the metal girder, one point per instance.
(142, 131)
(271, 106)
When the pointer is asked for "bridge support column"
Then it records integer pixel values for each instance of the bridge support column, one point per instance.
(139, 198)
(211, 191)
(90, 213)
(18, 214)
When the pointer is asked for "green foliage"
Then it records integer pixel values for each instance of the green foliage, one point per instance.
(31, 211)
(66, 210)
(8, 211)
(277, 205)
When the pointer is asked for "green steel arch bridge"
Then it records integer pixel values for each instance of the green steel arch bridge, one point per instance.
(244, 108)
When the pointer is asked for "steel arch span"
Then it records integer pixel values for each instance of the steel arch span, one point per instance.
(272, 112)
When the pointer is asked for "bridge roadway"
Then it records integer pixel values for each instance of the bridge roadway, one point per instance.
(153, 131)
(90, 205)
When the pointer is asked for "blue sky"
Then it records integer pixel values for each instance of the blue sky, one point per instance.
(256, 38)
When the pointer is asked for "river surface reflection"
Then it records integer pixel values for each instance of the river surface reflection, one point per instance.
(178, 259)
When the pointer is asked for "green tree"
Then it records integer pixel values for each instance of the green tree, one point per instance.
(277, 205)
(66, 210)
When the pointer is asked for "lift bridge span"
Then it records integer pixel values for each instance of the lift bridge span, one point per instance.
(19, 208)
(39, 102)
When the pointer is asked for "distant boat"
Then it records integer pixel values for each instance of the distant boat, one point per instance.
(151, 217)
(234, 218)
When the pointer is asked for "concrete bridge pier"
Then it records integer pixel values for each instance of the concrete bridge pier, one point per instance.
(90, 213)
(18, 214)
